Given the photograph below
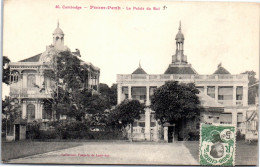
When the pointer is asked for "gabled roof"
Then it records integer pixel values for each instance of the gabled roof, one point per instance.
(139, 70)
(35, 58)
(221, 70)
(179, 70)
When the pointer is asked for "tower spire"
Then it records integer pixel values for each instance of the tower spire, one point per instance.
(140, 63)
(180, 26)
(58, 23)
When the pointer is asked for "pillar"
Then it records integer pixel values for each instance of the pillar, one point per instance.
(156, 134)
(165, 130)
(234, 95)
(98, 83)
(234, 116)
(147, 95)
(205, 90)
(119, 93)
(129, 92)
(245, 95)
(216, 93)
(23, 110)
(147, 124)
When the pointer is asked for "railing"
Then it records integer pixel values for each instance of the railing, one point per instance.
(129, 77)
(28, 93)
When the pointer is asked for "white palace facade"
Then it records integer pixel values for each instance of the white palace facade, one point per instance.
(218, 90)
(29, 86)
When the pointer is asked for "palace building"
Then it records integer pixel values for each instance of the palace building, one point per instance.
(31, 88)
(223, 95)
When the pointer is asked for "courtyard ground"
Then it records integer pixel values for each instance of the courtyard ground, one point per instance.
(120, 152)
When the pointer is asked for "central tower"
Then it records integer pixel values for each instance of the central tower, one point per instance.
(179, 57)
(58, 38)
(179, 63)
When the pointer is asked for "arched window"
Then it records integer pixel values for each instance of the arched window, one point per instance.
(30, 111)
(31, 81)
(14, 76)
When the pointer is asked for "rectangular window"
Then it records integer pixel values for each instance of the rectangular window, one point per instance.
(201, 89)
(151, 91)
(239, 93)
(139, 93)
(225, 93)
(125, 91)
(153, 124)
(142, 124)
(211, 91)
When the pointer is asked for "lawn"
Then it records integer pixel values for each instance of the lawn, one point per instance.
(11, 150)
(246, 154)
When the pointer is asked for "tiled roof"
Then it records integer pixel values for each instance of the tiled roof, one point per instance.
(139, 70)
(179, 70)
(35, 58)
(221, 70)
(209, 103)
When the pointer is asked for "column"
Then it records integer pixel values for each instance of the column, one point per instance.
(25, 80)
(147, 124)
(23, 110)
(156, 135)
(234, 95)
(205, 90)
(129, 92)
(216, 93)
(119, 93)
(147, 95)
(98, 83)
(89, 79)
(245, 95)
(234, 116)
(165, 130)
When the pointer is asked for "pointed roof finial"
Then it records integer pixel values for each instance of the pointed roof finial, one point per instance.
(140, 63)
(58, 24)
(180, 25)
(219, 65)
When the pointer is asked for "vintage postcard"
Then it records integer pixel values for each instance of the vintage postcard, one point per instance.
(130, 82)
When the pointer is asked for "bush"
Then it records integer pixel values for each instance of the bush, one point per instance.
(194, 136)
(240, 136)
(49, 134)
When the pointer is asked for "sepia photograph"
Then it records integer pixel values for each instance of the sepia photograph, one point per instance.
(130, 82)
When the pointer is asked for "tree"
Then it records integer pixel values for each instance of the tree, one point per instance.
(251, 92)
(6, 70)
(11, 111)
(109, 92)
(174, 102)
(70, 96)
(251, 77)
(125, 114)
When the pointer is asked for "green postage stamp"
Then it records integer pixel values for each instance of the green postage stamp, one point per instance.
(217, 144)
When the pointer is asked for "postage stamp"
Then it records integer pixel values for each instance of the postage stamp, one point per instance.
(217, 144)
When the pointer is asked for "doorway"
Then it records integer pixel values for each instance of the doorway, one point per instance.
(171, 131)
(17, 132)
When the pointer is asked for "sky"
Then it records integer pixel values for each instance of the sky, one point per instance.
(116, 40)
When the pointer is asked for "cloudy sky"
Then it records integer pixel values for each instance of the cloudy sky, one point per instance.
(115, 40)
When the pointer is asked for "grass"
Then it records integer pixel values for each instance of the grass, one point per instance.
(246, 154)
(18, 149)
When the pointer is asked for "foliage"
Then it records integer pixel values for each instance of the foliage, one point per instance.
(251, 92)
(11, 111)
(6, 70)
(33, 130)
(125, 113)
(251, 77)
(109, 93)
(70, 95)
(174, 101)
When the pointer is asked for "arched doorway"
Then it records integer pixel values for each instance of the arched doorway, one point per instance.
(30, 110)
